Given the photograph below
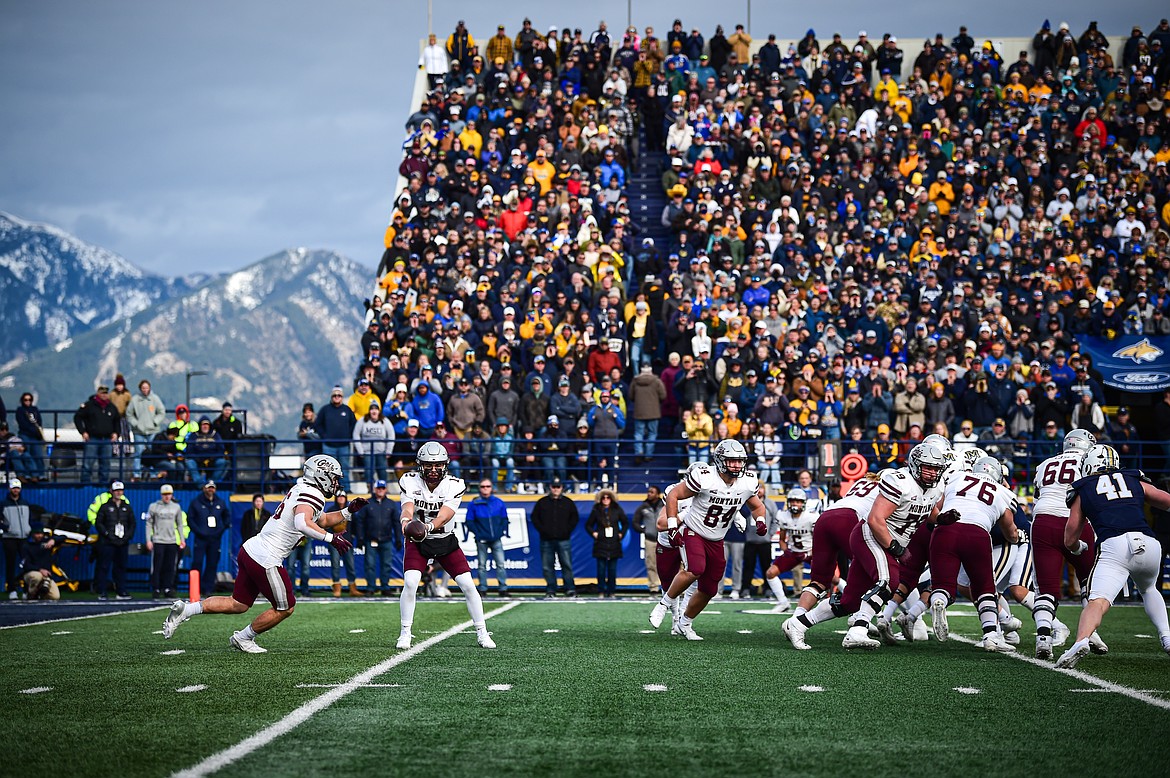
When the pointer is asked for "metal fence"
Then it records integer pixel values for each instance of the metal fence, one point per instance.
(260, 463)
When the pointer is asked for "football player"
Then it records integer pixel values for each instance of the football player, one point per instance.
(261, 571)
(1050, 514)
(972, 504)
(1114, 501)
(796, 542)
(719, 490)
(830, 539)
(432, 496)
(669, 559)
(907, 497)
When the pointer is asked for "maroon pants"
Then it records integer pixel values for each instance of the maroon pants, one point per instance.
(253, 580)
(919, 547)
(1049, 552)
(789, 559)
(705, 559)
(454, 563)
(831, 535)
(669, 562)
(967, 545)
(870, 564)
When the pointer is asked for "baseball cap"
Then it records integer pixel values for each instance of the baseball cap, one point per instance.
(14, 483)
(883, 428)
(116, 485)
(209, 483)
(379, 484)
(166, 489)
(412, 422)
(1122, 410)
(553, 420)
(1000, 421)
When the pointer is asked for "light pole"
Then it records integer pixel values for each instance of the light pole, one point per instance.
(191, 373)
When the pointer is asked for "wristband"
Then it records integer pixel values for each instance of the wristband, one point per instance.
(345, 514)
(328, 537)
(895, 548)
(672, 522)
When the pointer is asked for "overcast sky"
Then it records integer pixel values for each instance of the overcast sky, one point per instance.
(205, 136)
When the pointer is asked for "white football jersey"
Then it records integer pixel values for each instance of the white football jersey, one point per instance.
(860, 497)
(427, 503)
(913, 502)
(716, 504)
(663, 539)
(279, 535)
(978, 499)
(799, 530)
(1053, 478)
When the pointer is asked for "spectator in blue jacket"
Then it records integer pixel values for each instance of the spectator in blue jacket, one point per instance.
(487, 519)
(378, 526)
(204, 454)
(207, 518)
(611, 168)
(427, 407)
(335, 423)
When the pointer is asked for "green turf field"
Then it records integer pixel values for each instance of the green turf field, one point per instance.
(579, 689)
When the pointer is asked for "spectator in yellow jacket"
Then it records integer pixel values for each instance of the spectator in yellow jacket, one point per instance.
(362, 398)
(471, 140)
(542, 171)
(500, 47)
(942, 194)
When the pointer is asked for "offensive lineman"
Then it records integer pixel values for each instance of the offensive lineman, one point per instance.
(261, 557)
(973, 503)
(431, 496)
(907, 497)
(797, 525)
(1050, 513)
(719, 493)
(1114, 501)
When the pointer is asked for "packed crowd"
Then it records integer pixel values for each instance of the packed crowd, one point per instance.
(862, 246)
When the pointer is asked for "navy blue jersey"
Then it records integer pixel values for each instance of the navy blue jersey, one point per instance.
(1113, 502)
(1022, 521)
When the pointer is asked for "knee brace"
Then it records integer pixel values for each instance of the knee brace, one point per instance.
(878, 596)
(815, 589)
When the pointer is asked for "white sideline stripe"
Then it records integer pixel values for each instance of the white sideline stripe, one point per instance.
(654, 687)
(1110, 691)
(316, 705)
(500, 687)
(966, 690)
(196, 688)
(551, 631)
(62, 632)
(37, 690)
(744, 631)
(91, 616)
(1137, 694)
(173, 652)
(810, 688)
(356, 631)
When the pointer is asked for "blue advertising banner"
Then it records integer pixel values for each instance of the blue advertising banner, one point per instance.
(1132, 363)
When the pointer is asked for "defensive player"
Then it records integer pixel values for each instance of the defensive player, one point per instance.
(431, 496)
(261, 558)
(831, 536)
(1050, 514)
(796, 543)
(972, 505)
(1114, 501)
(907, 497)
(719, 490)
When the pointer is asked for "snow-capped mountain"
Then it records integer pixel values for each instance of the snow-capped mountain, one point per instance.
(56, 287)
(271, 337)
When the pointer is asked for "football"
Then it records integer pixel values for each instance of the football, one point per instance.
(416, 530)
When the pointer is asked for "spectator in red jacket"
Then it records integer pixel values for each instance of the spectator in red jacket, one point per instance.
(601, 361)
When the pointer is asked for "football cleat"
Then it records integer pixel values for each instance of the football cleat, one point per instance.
(688, 631)
(1166, 643)
(1010, 624)
(174, 618)
(920, 633)
(1060, 632)
(484, 638)
(886, 632)
(781, 607)
(1076, 652)
(938, 619)
(247, 645)
(404, 640)
(994, 641)
(858, 637)
(1043, 647)
(1097, 645)
(1012, 638)
(794, 630)
(906, 623)
(657, 615)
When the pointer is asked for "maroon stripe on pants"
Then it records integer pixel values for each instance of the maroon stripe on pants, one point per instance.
(863, 570)
(830, 537)
(968, 545)
(1049, 553)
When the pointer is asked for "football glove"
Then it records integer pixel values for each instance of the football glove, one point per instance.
(339, 542)
(761, 528)
(1080, 549)
(356, 504)
(947, 517)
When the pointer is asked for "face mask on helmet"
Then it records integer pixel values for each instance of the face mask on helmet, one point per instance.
(927, 464)
(730, 458)
(795, 502)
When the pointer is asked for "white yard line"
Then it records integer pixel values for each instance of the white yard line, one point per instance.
(91, 616)
(314, 706)
(1137, 694)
